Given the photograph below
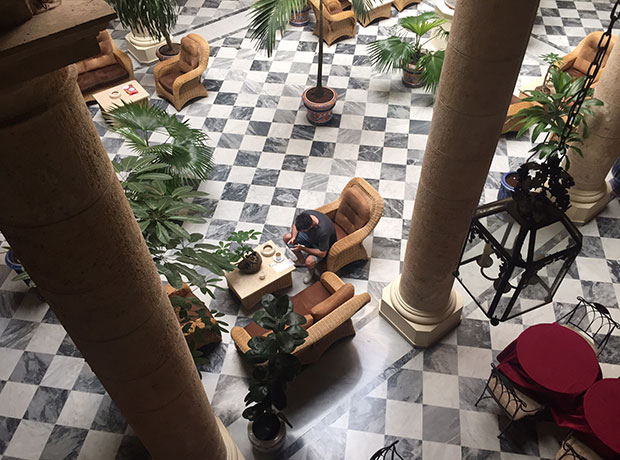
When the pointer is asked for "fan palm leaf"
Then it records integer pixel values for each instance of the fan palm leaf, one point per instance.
(156, 17)
(421, 24)
(392, 53)
(431, 64)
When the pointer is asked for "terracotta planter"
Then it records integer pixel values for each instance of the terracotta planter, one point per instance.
(251, 264)
(320, 112)
(163, 53)
(270, 445)
(412, 77)
(302, 18)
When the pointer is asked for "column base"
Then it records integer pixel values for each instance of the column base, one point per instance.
(232, 451)
(418, 334)
(584, 206)
(143, 48)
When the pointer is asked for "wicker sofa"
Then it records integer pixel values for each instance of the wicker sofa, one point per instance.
(338, 20)
(327, 305)
(178, 79)
(355, 214)
(110, 68)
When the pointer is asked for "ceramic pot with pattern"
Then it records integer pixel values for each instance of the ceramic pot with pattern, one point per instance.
(302, 18)
(320, 103)
(412, 77)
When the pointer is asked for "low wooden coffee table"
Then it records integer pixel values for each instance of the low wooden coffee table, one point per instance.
(108, 98)
(380, 9)
(251, 288)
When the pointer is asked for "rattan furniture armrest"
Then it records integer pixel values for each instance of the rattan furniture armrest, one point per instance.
(186, 78)
(241, 338)
(330, 209)
(331, 282)
(165, 67)
(124, 61)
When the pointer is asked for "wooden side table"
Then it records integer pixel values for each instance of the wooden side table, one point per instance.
(251, 288)
(108, 98)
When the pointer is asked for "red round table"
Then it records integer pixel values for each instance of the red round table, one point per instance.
(557, 358)
(601, 407)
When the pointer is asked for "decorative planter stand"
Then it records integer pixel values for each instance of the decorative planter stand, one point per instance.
(302, 18)
(320, 113)
(143, 47)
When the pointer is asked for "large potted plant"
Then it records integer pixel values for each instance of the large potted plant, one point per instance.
(150, 21)
(183, 153)
(276, 366)
(548, 116)
(270, 16)
(238, 252)
(421, 67)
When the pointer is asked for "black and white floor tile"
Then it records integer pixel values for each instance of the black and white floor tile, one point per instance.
(367, 391)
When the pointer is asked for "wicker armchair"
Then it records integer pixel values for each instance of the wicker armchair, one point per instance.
(178, 79)
(353, 225)
(578, 61)
(402, 4)
(109, 68)
(337, 22)
(314, 302)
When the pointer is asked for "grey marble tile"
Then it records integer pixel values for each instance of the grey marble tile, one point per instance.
(354, 108)
(469, 453)
(386, 248)
(275, 145)
(374, 123)
(406, 447)
(8, 426)
(419, 127)
(521, 439)
(215, 354)
(132, 449)
(608, 228)
(220, 229)
(64, 443)
(322, 149)
(614, 270)
(253, 212)
(393, 208)
(209, 204)
(235, 192)
(393, 172)
(68, 348)
(349, 136)
(343, 168)
(227, 401)
(611, 353)
(266, 177)
(285, 197)
(241, 113)
(46, 404)
(247, 158)
(9, 300)
(474, 333)
(295, 163)
(405, 385)
(441, 358)
(230, 141)
(109, 417)
(441, 424)
(592, 247)
(399, 111)
(31, 367)
(50, 317)
(258, 128)
(284, 116)
(88, 382)
(601, 292)
(215, 125)
(470, 390)
(17, 334)
(305, 132)
(368, 414)
(274, 233)
(315, 182)
(370, 153)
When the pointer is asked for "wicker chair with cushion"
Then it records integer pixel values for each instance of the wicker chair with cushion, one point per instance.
(355, 214)
(337, 20)
(402, 4)
(578, 61)
(327, 305)
(573, 448)
(516, 404)
(109, 68)
(178, 79)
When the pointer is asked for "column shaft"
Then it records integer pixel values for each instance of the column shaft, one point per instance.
(65, 215)
(487, 43)
(591, 192)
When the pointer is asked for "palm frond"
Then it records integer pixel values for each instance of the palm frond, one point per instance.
(269, 16)
(422, 23)
(391, 53)
(431, 65)
(362, 8)
(156, 17)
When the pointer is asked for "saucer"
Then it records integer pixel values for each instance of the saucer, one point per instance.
(278, 259)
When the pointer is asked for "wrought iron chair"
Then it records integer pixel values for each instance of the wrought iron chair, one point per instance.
(592, 321)
(574, 449)
(516, 404)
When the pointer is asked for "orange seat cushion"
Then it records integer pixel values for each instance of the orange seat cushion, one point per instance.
(340, 233)
(189, 56)
(328, 305)
(168, 80)
(575, 73)
(353, 212)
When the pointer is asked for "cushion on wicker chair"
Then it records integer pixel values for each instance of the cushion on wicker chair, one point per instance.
(333, 6)
(254, 330)
(340, 233)
(104, 59)
(353, 212)
(99, 78)
(324, 308)
(166, 81)
(189, 57)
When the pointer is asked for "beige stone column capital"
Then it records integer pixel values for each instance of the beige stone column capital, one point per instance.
(65, 215)
(487, 43)
(591, 192)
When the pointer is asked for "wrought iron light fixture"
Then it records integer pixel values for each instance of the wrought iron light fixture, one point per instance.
(512, 264)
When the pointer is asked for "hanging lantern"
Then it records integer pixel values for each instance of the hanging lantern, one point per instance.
(513, 263)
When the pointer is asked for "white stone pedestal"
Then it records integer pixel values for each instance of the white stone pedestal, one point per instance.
(143, 47)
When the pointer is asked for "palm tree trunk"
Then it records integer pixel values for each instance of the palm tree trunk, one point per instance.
(319, 77)
(168, 42)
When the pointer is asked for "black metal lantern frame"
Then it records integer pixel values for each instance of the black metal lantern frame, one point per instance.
(507, 255)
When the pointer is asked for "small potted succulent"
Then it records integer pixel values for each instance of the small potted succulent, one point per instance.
(421, 67)
(275, 367)
(236, 250)
(548, 116)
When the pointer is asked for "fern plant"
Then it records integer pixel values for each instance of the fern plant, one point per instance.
(184, 151)
(155, 17)
(406, 48)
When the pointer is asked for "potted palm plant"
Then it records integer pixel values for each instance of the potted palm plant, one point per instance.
(421, 67)
(270, 16)
(184, 153)
(150, 21)
(548, 116)
(276, 366)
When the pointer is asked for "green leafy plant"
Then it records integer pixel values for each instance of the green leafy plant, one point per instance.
(276, 365)
(184, 151)
(155, 17)
(235, 247)
(403, 50)
(21, 275)
(548, 117)
(551, 59)
(160, 212)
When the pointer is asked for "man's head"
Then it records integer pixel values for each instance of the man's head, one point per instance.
(303, 222)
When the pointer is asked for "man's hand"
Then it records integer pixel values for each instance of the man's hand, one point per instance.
(291, 241)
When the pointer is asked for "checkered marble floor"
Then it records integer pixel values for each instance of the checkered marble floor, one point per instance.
(366, 391)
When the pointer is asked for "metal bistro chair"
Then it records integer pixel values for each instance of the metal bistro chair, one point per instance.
(574, 449)
(513, 401)
(592, 321)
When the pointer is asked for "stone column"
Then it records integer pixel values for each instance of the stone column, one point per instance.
(591, 192)
(487, 43)
(64, 213)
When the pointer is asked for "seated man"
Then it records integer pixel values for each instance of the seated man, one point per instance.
(313, 233)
